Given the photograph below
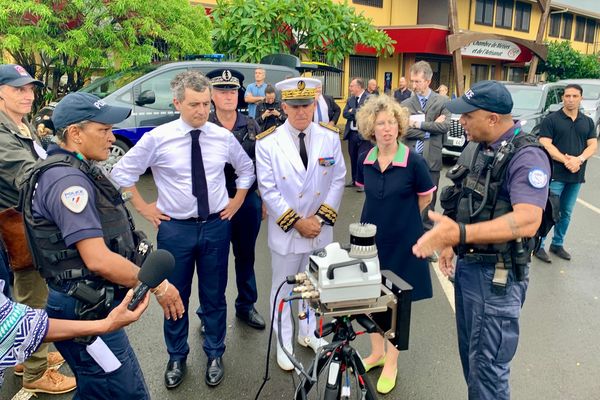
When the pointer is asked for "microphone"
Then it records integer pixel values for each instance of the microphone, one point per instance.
(156, 268)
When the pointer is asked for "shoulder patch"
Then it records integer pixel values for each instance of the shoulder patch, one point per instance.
(331, 128)
(537, 178)
(75, 198)
(266, 133)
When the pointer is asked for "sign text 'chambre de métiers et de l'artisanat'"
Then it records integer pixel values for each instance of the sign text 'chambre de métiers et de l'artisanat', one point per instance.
(492, 48)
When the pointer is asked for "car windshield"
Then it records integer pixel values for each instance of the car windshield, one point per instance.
(104, 86)
(590, 91)
(525, 97)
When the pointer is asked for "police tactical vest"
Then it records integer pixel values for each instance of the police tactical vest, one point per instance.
(479, 194)
(51, 256)
(245, 133)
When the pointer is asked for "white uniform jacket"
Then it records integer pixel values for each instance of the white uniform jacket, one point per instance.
(291, 192)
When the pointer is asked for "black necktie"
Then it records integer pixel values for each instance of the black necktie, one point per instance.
(303, 154)
(199, 187)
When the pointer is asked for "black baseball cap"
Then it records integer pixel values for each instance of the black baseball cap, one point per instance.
(225, 78)
(79, 106)
(484, 95)
(16, 76)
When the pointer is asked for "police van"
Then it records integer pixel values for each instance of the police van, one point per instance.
(146, 90)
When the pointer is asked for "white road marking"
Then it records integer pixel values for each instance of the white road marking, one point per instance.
(23, 395)
(447, 286)
(588, 205)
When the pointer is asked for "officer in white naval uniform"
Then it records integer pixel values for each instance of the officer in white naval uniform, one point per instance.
(301, 172)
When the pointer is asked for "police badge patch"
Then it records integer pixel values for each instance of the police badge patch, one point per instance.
(537, 178)
(75, 198)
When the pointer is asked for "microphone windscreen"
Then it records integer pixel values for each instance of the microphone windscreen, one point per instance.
(156, 268)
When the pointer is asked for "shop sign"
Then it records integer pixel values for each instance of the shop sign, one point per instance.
(492, 48)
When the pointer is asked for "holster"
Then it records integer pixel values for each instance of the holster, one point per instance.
(94, 301)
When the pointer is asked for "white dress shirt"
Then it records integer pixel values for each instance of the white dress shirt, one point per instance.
(167, 151)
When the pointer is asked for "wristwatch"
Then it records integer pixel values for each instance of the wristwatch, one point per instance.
(321, 220)
(581, 158)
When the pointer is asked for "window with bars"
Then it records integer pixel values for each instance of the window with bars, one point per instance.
(370, 3)
(567, 26)
(484, 12)
(363, 67)
(579, 28)
(332, 81)
(522, 16)
(504, 13)
(590, 31)
(479, 72)
(554, 25)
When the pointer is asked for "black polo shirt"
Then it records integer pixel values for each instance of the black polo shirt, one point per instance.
(570, 137)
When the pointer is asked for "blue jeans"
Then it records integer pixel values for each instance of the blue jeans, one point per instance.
(488, 328)
(201, 247)
(125, 383)
(568, 196)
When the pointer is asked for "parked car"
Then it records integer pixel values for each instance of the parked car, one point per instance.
(591, 99)
(147, 91)
(531, 104)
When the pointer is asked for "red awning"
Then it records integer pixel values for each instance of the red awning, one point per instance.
(414, 40)
(426, 39)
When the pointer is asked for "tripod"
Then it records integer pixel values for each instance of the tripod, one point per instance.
(341, 360)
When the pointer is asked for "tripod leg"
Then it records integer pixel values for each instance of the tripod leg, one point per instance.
(306, 385)
(359, 368)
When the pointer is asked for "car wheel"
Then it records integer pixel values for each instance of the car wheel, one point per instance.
(117, 151)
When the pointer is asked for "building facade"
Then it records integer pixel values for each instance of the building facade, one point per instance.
(420, 29)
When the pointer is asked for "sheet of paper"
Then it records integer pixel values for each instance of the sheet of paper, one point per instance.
(417, 118)
(103, 355)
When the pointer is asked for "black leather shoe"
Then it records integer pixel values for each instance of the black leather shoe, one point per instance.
(560, 251)
(174, 374)
(542, 255)
(350, 184)
(214, 371)
(253, 319)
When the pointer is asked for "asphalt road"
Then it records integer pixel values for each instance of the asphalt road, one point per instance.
(558, 355)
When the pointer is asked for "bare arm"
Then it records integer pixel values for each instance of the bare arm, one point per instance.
(554, 152)
(63, 329)
(111, 266)
(424, 201)
(590, 150)
(523, 221)
(147, 210)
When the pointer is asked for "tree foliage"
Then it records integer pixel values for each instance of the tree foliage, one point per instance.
(564, 62)
(51, 38)
(250, 29)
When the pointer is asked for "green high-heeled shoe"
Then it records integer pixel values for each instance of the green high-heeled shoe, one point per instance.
(378, 363)
(385, 384)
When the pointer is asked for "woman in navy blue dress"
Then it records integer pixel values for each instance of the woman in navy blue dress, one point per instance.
(397, 188)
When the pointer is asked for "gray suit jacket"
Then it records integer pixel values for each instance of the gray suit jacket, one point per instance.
(436, 106)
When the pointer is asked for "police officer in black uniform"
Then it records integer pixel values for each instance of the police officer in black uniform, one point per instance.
(83, 242)
(245, 224)
(496, 204)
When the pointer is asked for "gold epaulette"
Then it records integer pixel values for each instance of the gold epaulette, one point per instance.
(266, 133)
(331, 128)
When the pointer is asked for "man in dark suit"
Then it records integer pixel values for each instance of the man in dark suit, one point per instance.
(403, 92)
(429, 122)
(356, 144)
(326, 109)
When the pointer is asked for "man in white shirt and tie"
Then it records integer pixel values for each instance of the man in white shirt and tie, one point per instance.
(193, 212)
(300, 171)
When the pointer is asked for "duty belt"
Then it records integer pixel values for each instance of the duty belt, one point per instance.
(501, 270)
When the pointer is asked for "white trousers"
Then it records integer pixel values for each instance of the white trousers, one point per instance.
(282, 266)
